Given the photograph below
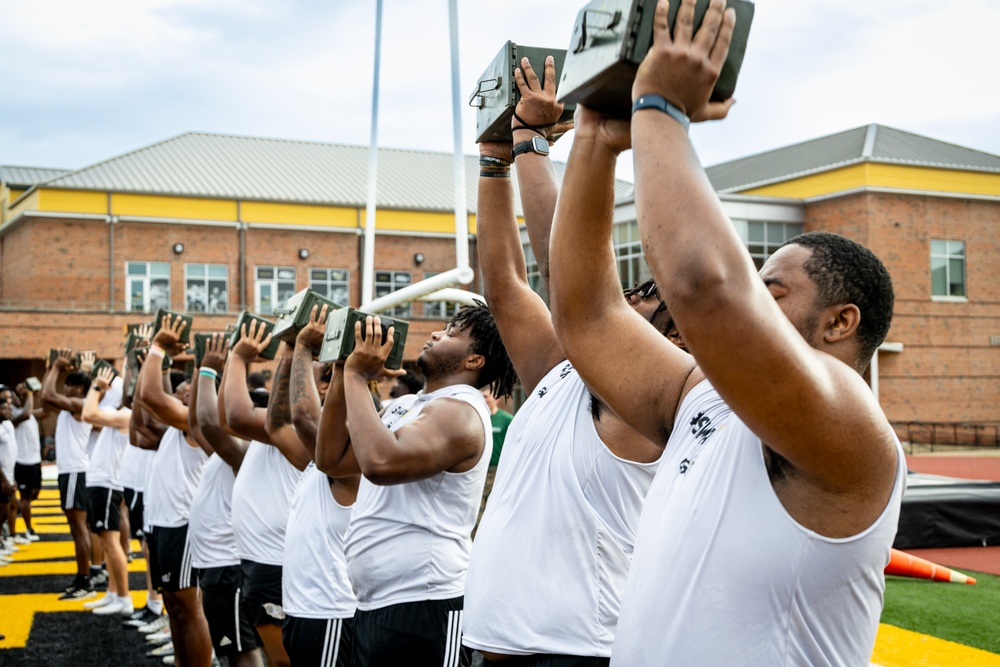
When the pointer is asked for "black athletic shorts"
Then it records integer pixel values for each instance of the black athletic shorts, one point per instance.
(415, 634)
(170, 559)
(133, 500)
(318, 642)
(261, 591)
(228, 623)
(548, 660)
(28, 477)
(73, 491)
(104, 511)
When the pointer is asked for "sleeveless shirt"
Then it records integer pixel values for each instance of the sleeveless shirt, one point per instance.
(173, 478)
(72, 440)
(106, 459)
(210, 525)
(262, 497)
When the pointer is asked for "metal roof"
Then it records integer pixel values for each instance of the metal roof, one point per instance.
(198, 164)
(871, 143)
(25, 177)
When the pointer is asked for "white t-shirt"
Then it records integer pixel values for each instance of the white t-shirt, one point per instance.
(262, 497)
(314, 577)
(106, 459)
(72, 441)
(8, 449)
(210, 524)
(29, 445)
(134, 471)
(723, 575)
(552, 551)
(411, 542)
(173, 478)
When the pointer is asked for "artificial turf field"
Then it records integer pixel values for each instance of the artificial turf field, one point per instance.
(924, 624)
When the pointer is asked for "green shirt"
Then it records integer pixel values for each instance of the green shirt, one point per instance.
(501, 420)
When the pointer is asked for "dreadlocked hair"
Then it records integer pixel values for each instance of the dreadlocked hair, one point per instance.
(498, 371)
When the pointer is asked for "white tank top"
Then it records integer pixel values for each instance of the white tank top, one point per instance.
(722, 575)
(411, 542)
(8, 449)
(173, 478)
(135, 467)
(261, 499)
(72, 440)
(106, 459)
(210, 526)
(552, 551)
(29, 446)
(314, 576)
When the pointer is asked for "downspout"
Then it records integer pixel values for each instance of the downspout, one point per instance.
(111, 257)
(242, 232)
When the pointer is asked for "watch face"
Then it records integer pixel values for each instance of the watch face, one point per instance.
(540, 145)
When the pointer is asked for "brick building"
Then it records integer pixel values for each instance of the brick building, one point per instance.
(212, 223)
(931, 212)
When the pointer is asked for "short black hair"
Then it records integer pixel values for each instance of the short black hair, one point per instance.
(411, 381)
(259, 397)
(177, 378)
(844, 271)
(257, 380)
(498, 371)
(78, 379)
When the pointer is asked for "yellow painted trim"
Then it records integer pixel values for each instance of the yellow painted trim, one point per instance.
(14, 194)
(896, 647)
(17, 613)
(412, 221)
(29, 203)
(298, 214)
(157, 206)
(877, 175)
(73, 201)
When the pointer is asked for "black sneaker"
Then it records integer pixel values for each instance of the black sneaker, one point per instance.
(80, 590)
(99, 580)
(139, 618)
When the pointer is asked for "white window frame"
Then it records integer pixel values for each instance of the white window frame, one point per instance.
(274, 286)
(948, 256)
(145, 279)
(448, 308)
(331, 284)
(404, 310)
(206, 279)
(775, 234)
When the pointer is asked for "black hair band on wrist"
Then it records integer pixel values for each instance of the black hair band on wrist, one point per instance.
(505, 173)
(525, 125)
(489, 160)
(530, 129)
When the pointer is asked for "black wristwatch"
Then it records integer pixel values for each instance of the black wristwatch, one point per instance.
(534, 145)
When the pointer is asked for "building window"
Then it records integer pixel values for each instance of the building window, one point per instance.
(334, 284)
(273, 286)
(148, 286)
(948, 268)
(632, 267)
(439, 310)
(206, 288)
(763, 238)
(387, 282)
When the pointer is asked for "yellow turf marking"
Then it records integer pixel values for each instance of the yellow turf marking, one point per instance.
(61, 549)
(67, 567)
(896, 647)
(18, 611)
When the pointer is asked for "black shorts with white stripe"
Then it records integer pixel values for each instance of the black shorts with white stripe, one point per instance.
(228, 623)
(416, 634)
(318, 642)
(104, 508)
(73, 491)
(262, 592)
(133, 500)
(170, 559)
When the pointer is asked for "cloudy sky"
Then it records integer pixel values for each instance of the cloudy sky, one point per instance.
(85, 81)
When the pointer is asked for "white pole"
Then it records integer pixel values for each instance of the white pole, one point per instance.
(873, 373)
(462, 275)
(461, 209)
(368, 261)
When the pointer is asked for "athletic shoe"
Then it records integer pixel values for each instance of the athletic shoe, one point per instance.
(5, 561)
(119, 606)
(20, 539)
(155, 625)
(168, 660)
(140, 617)
(159, 652)
(78, 593)
(100, 579)
(102, 601)
(158, 637)
(32, 535)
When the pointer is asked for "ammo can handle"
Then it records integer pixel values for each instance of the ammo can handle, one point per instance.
(477, 100)
(611, 20)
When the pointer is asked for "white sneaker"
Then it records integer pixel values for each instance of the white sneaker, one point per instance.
(102, 601)
(5, 561)
(155, 626)
(168, 660)
(20, 539)
(166, 649)
(119, 606)
(32, 536)
(158, 637)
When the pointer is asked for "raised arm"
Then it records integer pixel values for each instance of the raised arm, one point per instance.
(164, 406)
(194, 428)
(50, 396)
(241, 417)
(92, 413)
(334, 453)
(279, 414)
(304, 394)
(230, 449)
(607, 341)
(27, 405)
(785, 390)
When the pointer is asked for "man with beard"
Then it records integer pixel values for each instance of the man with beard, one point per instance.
(423, 465)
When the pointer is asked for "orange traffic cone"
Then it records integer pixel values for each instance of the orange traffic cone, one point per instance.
(907, 565)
